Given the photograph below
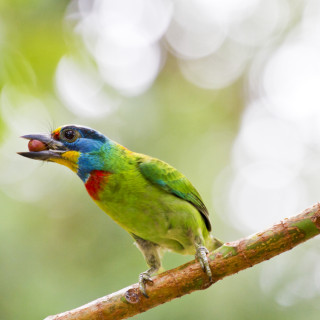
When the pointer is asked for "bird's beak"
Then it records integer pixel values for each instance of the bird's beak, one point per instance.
(53, 148)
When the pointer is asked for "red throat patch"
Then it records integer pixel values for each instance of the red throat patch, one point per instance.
(96, 181)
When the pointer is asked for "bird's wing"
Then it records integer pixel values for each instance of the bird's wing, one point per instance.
(172, 181)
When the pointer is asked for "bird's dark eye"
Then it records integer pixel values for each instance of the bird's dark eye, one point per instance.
(69, 135)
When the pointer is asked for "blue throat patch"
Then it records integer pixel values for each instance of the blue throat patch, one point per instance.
(94, 159)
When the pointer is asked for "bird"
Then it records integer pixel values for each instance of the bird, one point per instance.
(155, 203)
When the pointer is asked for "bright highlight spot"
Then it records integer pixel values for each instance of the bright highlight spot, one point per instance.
(291, 81)
(81, 89)
(123, 38)
(217, 70)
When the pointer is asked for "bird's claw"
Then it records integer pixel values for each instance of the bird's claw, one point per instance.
(144, 277)
(201, 256)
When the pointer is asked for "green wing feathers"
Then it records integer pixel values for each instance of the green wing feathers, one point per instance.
(172, 181)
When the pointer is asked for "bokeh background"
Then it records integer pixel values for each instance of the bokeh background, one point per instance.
(226, 91)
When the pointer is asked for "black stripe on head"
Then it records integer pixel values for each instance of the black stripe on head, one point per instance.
(87, 132)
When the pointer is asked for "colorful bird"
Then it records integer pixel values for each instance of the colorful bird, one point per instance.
(147, 197)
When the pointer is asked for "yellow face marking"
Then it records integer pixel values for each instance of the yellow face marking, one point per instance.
(68, 159)
(57, 130)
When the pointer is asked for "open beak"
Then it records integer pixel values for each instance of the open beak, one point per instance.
(53, 148)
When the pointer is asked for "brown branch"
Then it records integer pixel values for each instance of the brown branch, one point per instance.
(229, 259)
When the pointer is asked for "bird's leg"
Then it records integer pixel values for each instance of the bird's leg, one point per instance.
(201, 256)
(151, 254)
(144, 277)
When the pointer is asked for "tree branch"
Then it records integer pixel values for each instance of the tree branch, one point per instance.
(229, 259)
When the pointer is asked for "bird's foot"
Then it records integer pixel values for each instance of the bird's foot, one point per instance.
(201, 256)
(144, 277)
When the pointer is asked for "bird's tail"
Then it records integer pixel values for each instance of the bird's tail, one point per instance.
(213, 243)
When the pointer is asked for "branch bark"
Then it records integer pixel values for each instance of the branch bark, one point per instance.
(229, 259)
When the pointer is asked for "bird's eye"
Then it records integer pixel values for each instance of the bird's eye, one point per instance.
(69, 135)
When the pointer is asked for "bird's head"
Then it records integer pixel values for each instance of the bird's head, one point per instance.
(78, 148)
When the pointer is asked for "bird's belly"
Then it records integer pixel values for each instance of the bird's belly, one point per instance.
(156, 216)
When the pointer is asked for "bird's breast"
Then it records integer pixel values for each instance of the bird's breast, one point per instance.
(96, 182)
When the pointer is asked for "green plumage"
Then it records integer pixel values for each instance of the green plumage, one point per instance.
(150, 199)
(174, 182)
